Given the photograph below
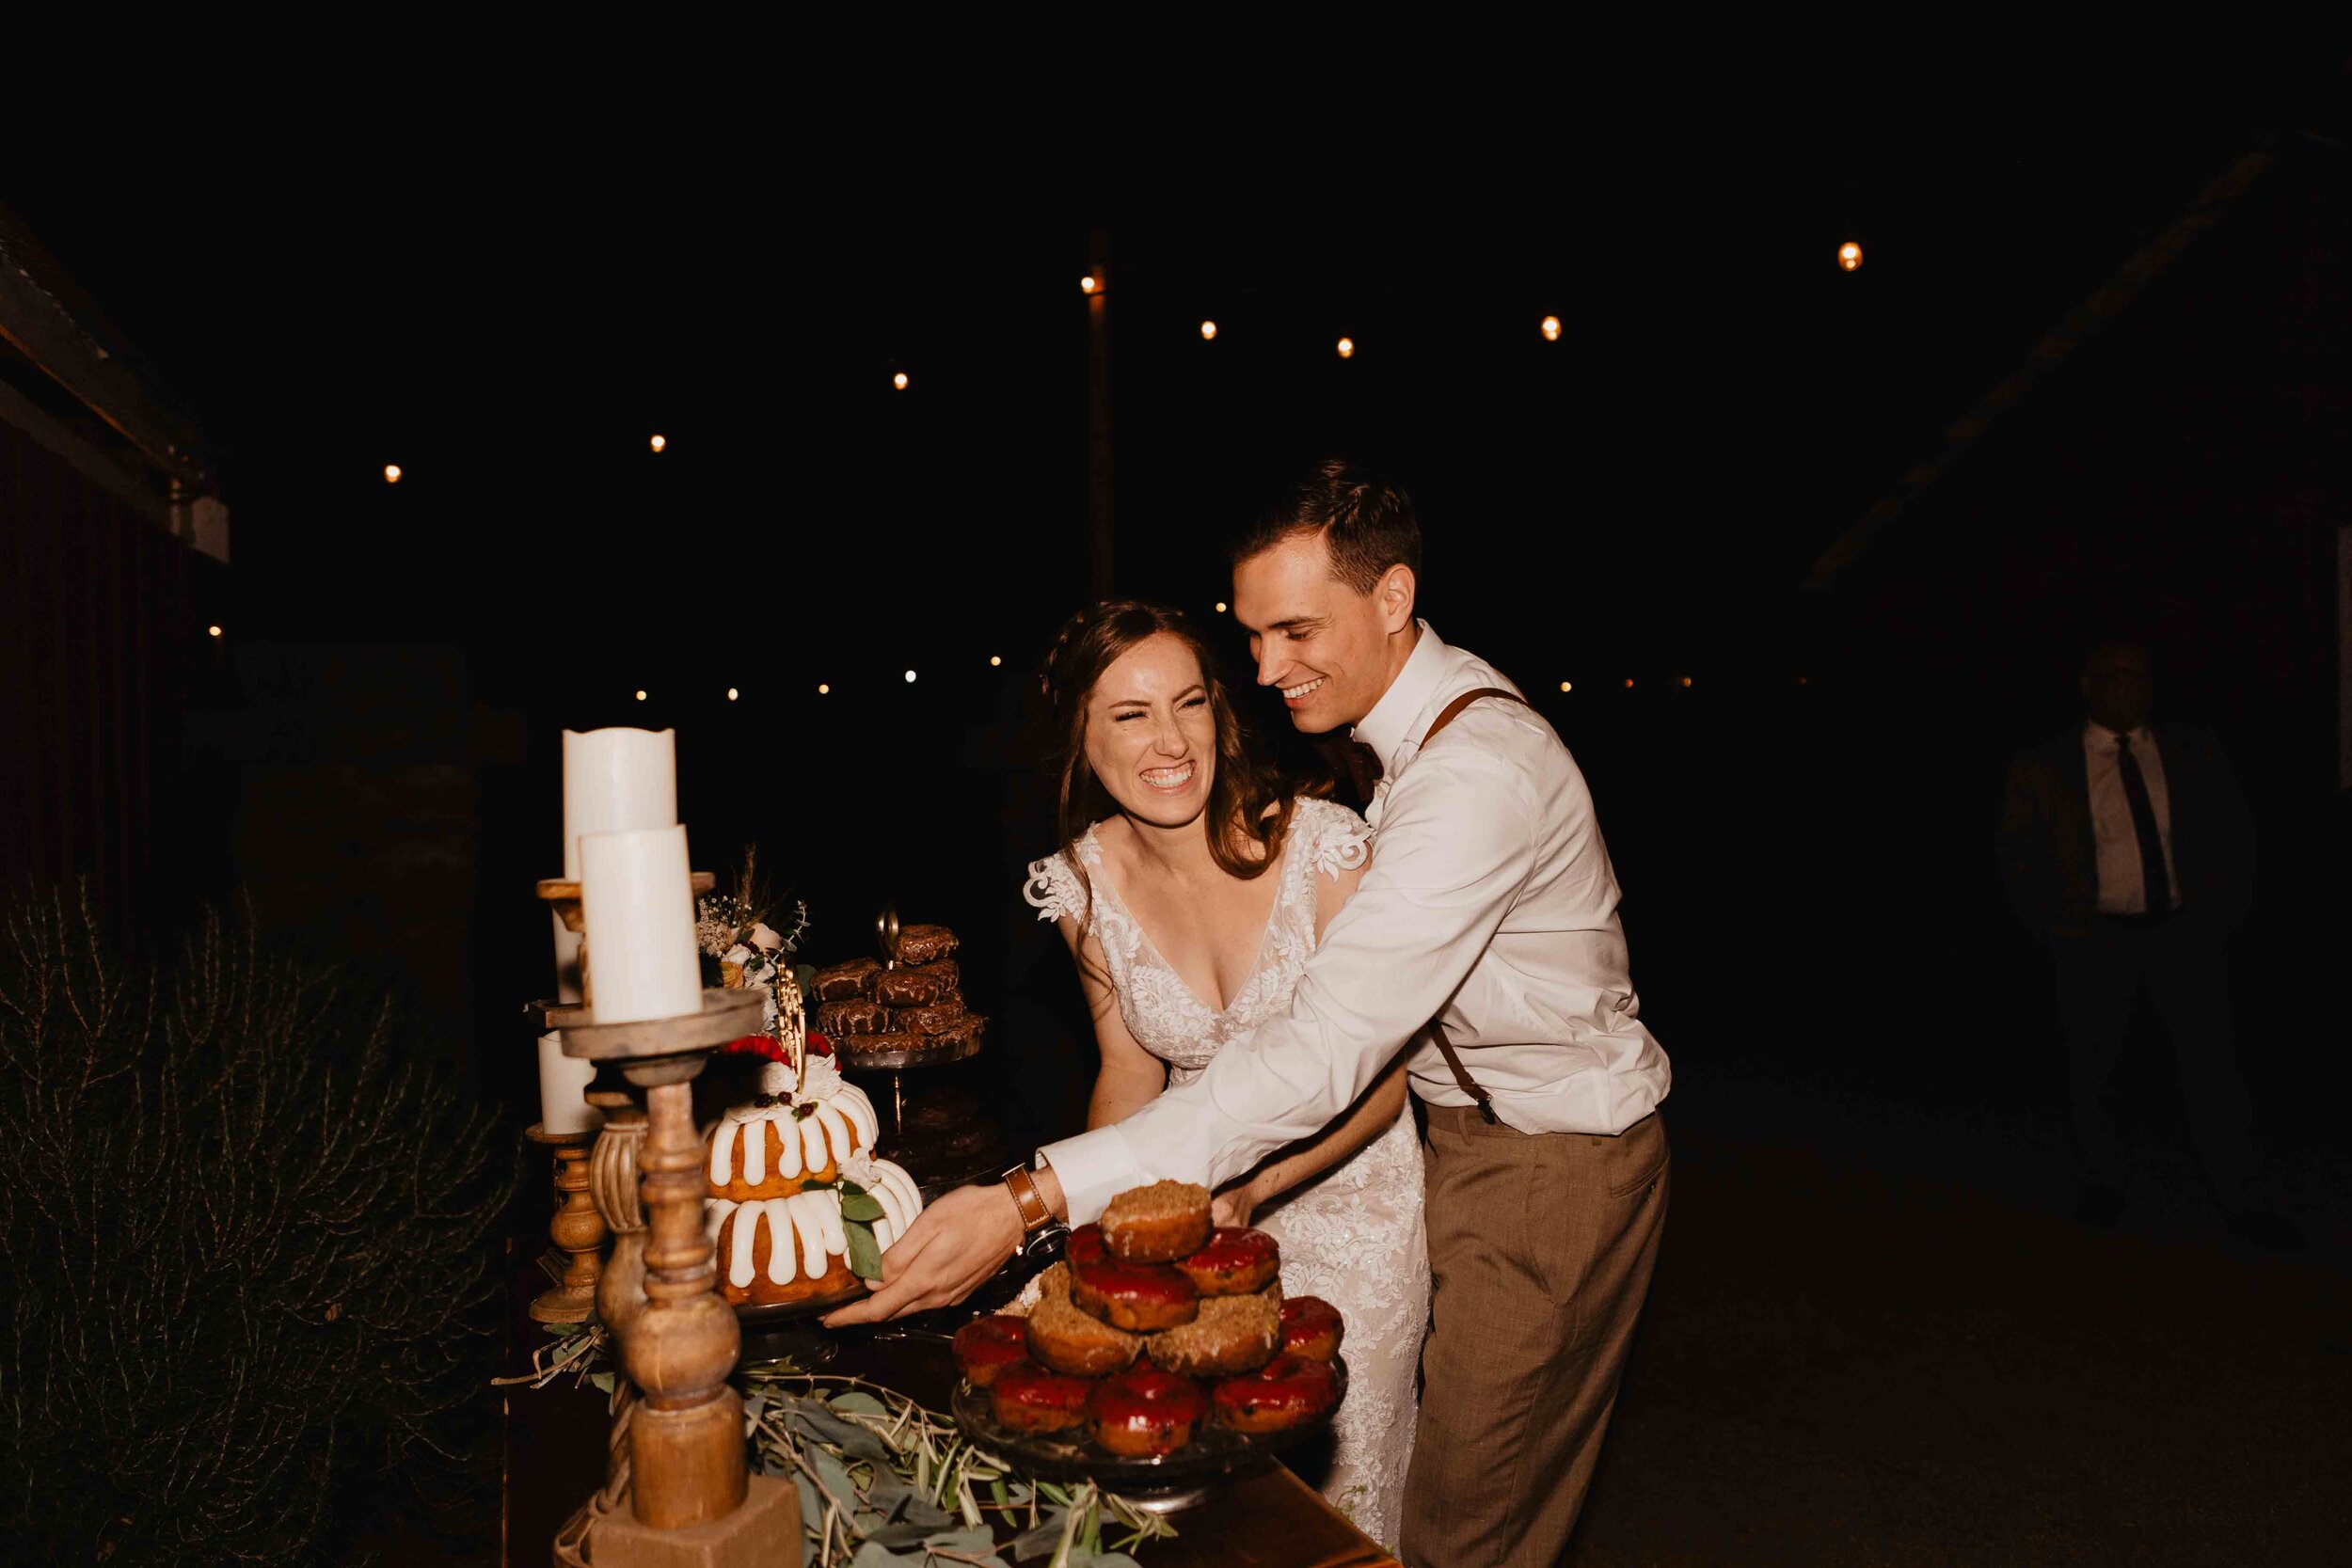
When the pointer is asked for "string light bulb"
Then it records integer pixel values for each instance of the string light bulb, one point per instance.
(1850, 256)
(1686, 680)
(900, 380)
(1628, 683)
(1086, 284)
(910, 677)
(640, 694)
(1220, 607)
(822, 688)
(1347, 348)
(659, 442)
(391, 473)
(1567, 686)
(1208, 331)
(212, 631)
(1551, 329)
(731, 694)
(994, 661)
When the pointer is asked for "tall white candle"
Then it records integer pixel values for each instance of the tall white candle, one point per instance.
(562, 1089)
(638, 901)
(614, 780)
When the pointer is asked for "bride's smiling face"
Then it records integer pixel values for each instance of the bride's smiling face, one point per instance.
(1150, 736)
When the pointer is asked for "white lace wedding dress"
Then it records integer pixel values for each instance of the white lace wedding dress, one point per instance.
(1352, 1235)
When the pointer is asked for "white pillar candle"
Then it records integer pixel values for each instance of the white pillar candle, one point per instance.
(564, 1088)
(614, 780)
(639, 900)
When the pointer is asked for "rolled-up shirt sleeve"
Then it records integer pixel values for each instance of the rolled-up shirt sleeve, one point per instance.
(1455, 844)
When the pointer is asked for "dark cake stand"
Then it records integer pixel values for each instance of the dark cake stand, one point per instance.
(940, 1136)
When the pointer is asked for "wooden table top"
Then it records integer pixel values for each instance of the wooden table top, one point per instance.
(555, 1458)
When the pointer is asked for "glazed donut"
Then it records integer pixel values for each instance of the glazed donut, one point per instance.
(986, 1346)
(1233, 1334)
(1288, 1391)
(1236, 1262)
(1157, 1224)
(1311, 1328)
(1030, 1398)
(1142, 1298)
(1145, 1412)
(1066, 1339)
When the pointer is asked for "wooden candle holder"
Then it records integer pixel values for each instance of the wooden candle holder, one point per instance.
(577, 1229)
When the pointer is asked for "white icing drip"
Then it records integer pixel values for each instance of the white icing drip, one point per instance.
(812, 1133)
(783, 1266)
(715, 1213)
(883, 1235)
(789, 1161)
(892, 1214)
(852, 1103)
(740, 1255)
(721, 1142)
(830, 1222)
(755, 1136)
(808, 1211)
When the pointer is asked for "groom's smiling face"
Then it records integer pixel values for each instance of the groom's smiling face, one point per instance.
(1329, 650)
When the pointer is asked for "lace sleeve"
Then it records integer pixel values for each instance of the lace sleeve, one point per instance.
(1337, 838)
(1054, 891)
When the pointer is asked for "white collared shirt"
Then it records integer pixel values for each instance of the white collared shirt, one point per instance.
(2122, 886)
(1490, 904)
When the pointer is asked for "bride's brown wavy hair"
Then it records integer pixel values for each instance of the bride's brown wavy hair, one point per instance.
(1245, 836)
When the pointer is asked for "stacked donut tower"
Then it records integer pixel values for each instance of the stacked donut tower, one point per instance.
(1158, 1320)
(909, 1001)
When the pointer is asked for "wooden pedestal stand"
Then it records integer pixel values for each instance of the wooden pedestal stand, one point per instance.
(691, 1497)
(577, 1228)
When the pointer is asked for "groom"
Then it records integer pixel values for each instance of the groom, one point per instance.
(1485, 941)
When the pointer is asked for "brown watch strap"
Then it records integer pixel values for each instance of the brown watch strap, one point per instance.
(1445, 1047)
(1025, 1197)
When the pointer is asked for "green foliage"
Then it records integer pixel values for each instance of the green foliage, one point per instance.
(246, 1246)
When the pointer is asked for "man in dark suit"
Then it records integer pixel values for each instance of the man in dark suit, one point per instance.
(2128, 851)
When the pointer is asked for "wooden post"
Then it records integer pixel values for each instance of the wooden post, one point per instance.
(1099, 380)
(577, 1229)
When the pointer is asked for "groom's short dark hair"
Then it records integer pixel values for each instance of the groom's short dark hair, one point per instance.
(1366, 522)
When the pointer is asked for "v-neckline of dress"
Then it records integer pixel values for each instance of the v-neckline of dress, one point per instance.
(1257, 961)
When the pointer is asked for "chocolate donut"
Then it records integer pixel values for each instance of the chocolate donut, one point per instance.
(858, 1015)
(1142, 1298)
(1288, 1391)
(928, 1018)
(843, 981)
(1236, 1262)
(1311, 1328)
(1032, 1398)
(1068, 1341)
(914, 986)
(986, 1346)
(1144, 1411)
(1157, 1224)
(920, 944)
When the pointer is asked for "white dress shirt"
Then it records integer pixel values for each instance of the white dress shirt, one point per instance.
(1490, 904)
(2122, 886)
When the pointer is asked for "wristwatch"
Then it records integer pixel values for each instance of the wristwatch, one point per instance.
(1036, 1221)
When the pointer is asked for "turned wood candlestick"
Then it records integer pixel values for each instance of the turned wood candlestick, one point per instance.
(577, 1229)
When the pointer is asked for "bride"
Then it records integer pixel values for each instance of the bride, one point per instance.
(1190, 886)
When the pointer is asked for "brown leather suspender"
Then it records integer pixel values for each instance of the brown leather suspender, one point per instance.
(1445, 1047)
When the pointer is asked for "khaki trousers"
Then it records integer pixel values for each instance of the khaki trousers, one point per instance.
(1542, 1247)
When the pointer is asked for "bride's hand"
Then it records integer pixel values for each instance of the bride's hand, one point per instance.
(1234, 1206)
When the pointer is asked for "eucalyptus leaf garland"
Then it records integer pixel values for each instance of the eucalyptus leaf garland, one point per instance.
(883, 1481)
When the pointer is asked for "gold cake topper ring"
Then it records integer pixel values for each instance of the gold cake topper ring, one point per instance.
(887, 933)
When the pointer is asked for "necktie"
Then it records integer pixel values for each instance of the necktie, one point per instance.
(2153, 876)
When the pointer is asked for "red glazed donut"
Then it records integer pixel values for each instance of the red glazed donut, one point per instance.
(1286, 1392)
(1311, 1328)
(986, 1346)
(1142, 1298)
(1145, 1412)
(1030, 1398)
(1235, 1262)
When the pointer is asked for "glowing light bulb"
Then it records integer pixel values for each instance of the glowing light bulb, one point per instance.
(1220, 607)
(1085, 284)
(1628, 683)
(910, 677)
(1850, 256)
(1208, 331)
(212, 631)
(900, 380)
(1347, 348)
(1551, 329)
(822, 688)
(1686, 680)
(391, 473)
(1567, 686)
(994, 661)
(731, 694)
(640, 694)
(659, 442)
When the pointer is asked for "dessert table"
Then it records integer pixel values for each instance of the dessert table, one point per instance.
(555, 1455)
